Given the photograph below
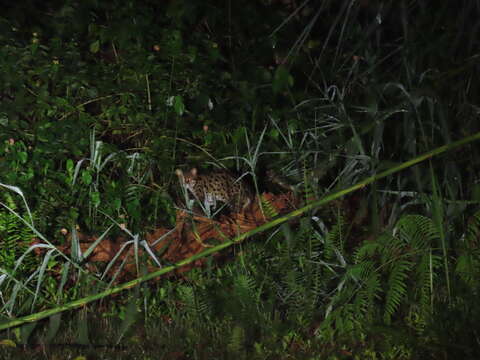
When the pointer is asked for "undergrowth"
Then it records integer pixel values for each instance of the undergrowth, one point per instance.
(99, 103)
(301, 294)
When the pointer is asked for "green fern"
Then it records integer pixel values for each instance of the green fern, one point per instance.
(426, 276)
(195, 304)
(370, 296)
(467, 267)
(370, 248)
(15, 238)
(396, 269)
(397, 287)
(421, 236)
(418, 231)
(268, 209)
(245, 288)
(237, 340)
(307, 261)
(335, 239)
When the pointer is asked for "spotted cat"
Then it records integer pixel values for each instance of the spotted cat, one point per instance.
(218, 186)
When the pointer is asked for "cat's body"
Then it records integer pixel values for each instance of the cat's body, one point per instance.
(217, 186)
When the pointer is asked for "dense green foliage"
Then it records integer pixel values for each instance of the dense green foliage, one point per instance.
(101, 100)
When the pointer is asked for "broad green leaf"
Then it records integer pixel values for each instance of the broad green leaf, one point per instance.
(178, 105)
(86, 177)
(95, 46)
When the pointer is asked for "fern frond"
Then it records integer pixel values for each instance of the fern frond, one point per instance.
(416, 230)
(361, 271)
(371, 248)
(334, 241)
(366, 299)
(468, 267)
(426, 271)
(237, 339)
(397, 287)
(269, 210)
(245, 288)
(472, 234)
(15, 239)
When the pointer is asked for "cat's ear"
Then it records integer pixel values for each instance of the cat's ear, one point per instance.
(179, 173)
(193, 172)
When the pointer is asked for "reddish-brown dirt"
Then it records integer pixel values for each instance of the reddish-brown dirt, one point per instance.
(191, 236)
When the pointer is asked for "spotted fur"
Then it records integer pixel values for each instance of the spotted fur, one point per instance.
(218, 186)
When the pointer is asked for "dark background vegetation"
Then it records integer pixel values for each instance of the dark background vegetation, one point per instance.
(100, 101)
